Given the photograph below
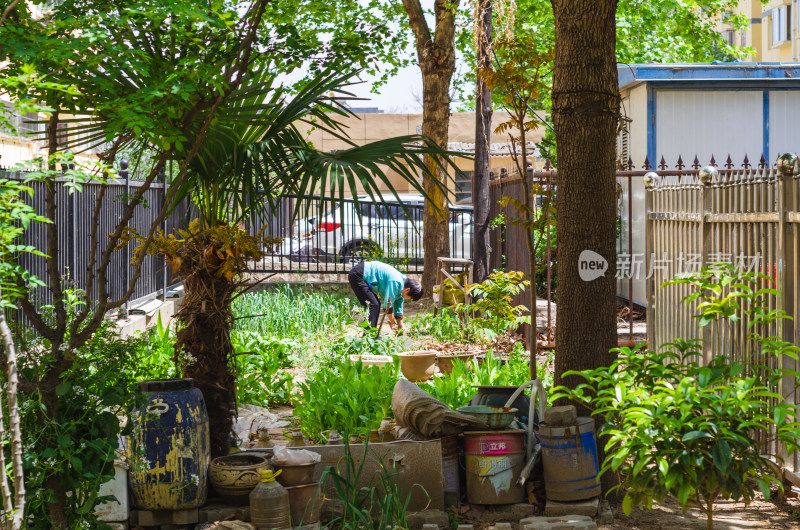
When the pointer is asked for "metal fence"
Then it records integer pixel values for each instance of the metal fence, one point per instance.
(748, 217)
(329, 236)
(316, 235)
(74, 219)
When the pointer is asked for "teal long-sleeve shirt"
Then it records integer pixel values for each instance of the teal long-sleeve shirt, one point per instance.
(387, 282)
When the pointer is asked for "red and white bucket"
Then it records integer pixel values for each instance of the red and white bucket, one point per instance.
(494, 460)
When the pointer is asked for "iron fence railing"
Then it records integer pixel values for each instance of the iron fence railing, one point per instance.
(327, 238)
(330, 236)
(748, 217)
(74, 211)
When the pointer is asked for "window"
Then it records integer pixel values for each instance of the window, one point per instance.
(729, 36)
(24, 126)
(463, 189)
(781, 28)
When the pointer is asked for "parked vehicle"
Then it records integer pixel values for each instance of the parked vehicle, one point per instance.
(388, 230)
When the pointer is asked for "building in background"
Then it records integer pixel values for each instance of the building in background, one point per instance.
(368, 127)
(672, 113)
(773, 31)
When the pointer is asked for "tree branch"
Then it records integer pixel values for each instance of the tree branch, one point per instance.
(416, 19)
(7, 11)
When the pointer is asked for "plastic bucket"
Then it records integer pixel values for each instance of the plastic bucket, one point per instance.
(569, 455)
(494, 460)
(169, 455)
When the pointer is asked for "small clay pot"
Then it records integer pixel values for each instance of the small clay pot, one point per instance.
(296, 475)
(446, 361)
(234, 476)
(418, 365)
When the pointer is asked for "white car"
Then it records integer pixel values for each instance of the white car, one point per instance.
(373, 230)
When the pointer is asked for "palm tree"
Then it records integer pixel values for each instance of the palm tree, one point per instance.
(254, 154)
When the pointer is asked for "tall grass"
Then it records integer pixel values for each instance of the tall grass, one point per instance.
(292, 312)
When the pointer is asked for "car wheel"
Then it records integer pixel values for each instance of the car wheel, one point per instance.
(360, 251)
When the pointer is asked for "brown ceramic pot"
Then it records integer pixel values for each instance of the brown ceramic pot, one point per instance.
(305, 503)
(446, 361)
(234, 476)
(295, 475)
(418, 365)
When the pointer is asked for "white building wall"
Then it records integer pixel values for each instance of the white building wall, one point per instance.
(705, 123)
(784, 122)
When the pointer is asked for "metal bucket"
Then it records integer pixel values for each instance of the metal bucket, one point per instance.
(494, 460)
(569, 455)
(169, 454)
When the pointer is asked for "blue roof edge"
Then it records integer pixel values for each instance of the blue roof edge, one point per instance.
(638, 73)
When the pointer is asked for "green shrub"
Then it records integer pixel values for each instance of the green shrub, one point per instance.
(456, 389)
(260, 379)
(349, 397)
(76, 445)
(678, 427)
(446, 326)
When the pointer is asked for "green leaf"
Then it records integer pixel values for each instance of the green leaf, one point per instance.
(63, 388)
(722, 455)
(627, 504)
(663, 466)
(683, 493)
(77, 464)
(693, 435)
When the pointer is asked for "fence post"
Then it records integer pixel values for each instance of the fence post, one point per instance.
(650, 182)
(123, 172)
(707, 176)
(787, 271)
(72, 254)
(163, 176)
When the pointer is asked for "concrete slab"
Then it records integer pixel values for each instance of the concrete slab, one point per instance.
(567, 522)
(560, 508)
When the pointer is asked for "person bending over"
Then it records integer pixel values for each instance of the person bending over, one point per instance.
(371, 277)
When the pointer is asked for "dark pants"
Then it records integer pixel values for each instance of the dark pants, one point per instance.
(364, 294)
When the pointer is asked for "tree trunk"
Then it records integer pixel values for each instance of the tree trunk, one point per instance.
(204, 342)
(483, 132)
(17, 505)
(585, 116)
(437, 60)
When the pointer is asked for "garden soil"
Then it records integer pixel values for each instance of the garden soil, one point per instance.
(727, 516)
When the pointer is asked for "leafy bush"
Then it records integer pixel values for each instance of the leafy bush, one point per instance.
(156, 354)
(349, 397)
(456, 389)
(681, 428)
(77, 445)
(259, 363)
(445, 326)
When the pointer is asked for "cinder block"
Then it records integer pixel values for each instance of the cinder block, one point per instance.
(418, 520)
(569, 522)
(605, 515)
(430, 527)
(561, 416)
(587, 507)
(167, 517)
